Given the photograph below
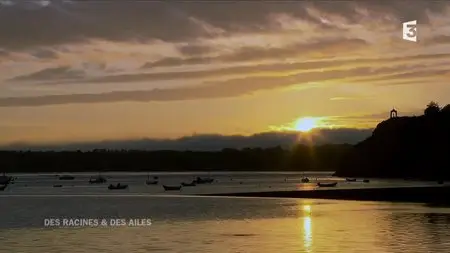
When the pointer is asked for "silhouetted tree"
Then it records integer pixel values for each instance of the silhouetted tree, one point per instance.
(432, 109)
(300, 158)
(446, 109)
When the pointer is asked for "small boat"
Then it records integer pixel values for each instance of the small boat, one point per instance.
(350, 179)
(3, 187)
(305, 180)
(327, 184)
(189, 184)
(97, 180)
(117, 187)
(172, 188)
(200, 180)
(4, 180)
(150, 182)
(57, 185)
(366, 180)
(66, 177)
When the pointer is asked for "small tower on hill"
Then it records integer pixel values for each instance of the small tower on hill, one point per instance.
(393, 113)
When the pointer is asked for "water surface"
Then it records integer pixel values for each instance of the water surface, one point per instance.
(184, 223)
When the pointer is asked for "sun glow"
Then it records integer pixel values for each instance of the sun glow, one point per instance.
(306, 124)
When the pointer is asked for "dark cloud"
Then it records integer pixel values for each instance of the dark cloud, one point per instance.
(44, 54)
(29, 5)
(217, 142)
(64, 75)
(172, 75)
(51, 73)
(3, 52)
(406, 10)
(94, 66)
(441, 39)
(332, 46)
(191, 50)
(325, 47)
(258, 69)
(175, 61)
(417, 73)
(59, 73)
(57, 23)
(209, 90)
(80, 21)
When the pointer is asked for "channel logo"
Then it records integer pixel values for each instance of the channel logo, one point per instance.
(410, 31)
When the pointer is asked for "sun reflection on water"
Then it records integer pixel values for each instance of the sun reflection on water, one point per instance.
(307, 228)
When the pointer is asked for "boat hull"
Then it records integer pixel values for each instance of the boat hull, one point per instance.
(188, 184)
(66, 178)
(97, 181)
(171, 188)
(203, 181)
(327, 184)
(121, 187)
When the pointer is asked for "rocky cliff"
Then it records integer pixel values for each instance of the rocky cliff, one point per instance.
(403, 147)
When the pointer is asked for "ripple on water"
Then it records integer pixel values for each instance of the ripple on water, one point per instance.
(239, 235)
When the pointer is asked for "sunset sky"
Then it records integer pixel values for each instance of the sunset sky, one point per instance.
(74, 71)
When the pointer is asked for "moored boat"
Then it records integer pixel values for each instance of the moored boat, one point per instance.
(172, 188)
(66, 177)
(189, 184)
(3, 187)
(366, 180)
(305, 180)
(350, 179)
(200, 180)
(4, 179)
(97, 180)
(57, 185)
(150, 182)
(327, 184)
(117, 187)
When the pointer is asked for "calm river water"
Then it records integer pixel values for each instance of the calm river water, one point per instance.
(184, 223)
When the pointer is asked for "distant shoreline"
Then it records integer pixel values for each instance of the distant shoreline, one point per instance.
(299, 158)
(416, 194)
(202, 172)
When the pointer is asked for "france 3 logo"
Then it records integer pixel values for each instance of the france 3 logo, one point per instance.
(410, 31)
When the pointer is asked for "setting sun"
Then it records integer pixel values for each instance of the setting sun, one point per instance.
(305, 124)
